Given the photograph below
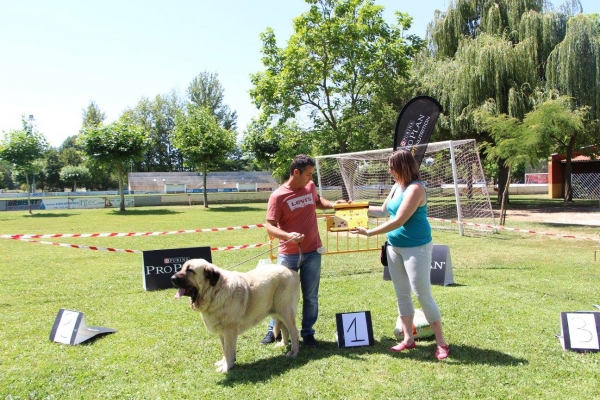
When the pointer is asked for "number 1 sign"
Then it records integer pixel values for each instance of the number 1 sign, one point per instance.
(580, 330)
(354, 329)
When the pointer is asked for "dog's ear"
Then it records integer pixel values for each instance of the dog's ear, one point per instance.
(211, 274)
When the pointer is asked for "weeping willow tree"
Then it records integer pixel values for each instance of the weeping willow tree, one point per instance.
(574, 64)
(482, 51)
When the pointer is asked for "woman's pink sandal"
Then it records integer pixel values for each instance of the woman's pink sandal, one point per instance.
(403, 346)
(442, 352)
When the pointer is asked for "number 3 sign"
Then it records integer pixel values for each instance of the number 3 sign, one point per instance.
(580, 330)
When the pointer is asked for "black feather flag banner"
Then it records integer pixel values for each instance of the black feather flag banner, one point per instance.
(415, 124)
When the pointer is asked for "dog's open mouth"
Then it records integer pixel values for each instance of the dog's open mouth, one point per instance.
(190, 292)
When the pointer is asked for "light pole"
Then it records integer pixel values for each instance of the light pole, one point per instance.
(31, 122)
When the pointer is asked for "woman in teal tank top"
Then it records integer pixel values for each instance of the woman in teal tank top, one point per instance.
(409, 256)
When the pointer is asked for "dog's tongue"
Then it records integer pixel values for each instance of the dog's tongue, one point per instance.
(179, 293)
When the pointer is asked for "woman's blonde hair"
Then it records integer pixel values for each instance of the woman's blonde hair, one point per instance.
(405, 166)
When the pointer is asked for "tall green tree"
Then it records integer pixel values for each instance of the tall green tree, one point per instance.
(559, 127)
(115, 145)
(273, 145)
(103, 176)
(157, 117)
(491, 49)
(554, 126)
(92, 116)
(201, 140)
(74, 174)
(52, 169)
(22, 148)
(6, 181)
(574, 64)
(206, 91)
(510, 144)
(341, 55)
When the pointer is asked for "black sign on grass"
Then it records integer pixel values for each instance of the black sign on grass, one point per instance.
(160, 265)
(441, 267)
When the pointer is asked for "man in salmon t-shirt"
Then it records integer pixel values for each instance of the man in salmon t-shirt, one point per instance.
(292, 218)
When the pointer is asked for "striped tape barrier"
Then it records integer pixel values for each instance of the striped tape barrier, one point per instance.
(122, 234)
(113, 250)
(504, 228)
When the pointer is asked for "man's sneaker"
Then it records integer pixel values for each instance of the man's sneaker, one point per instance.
(270, 338)
(309, 341)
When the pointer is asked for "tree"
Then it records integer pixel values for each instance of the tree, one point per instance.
(52, 169)
(102, 174)
(22, 148)
(70, 153)
(574, 64)
(92, 116)
(480, 50)
(342, 53)
(273, 145)
(6, 181)
(206, 91)
(72, 174)
(509, 145)
(559, 128)
(157, 117)
(554, 126)
(201, 140)
(114, 146)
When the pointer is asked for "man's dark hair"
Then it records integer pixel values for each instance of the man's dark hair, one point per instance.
(301, 161)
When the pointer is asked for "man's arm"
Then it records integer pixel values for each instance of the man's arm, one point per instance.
(324, 204)
(275, 231)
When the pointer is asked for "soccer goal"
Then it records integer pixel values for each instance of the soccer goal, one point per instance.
(457, 193)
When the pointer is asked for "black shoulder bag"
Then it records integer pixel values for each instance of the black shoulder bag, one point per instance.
(383, 254)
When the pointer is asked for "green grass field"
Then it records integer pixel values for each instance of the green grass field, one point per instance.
(500, 317)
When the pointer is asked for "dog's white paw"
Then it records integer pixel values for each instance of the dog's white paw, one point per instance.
(222, 365)
(279, 344)
(291, 354)
(220, 362)
(223, 368)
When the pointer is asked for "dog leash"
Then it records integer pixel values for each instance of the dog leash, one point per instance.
(267, 251)
(299, 256)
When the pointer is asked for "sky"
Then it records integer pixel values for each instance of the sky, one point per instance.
(57, 56)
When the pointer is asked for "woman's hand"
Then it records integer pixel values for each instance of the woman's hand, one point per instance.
(361, 231)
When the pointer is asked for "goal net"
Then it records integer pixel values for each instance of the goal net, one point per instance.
(457, 193)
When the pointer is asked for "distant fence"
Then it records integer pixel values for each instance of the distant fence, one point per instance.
(100, 193)
(95, 201)
(586, 186)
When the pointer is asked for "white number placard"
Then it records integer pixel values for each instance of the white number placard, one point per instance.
(581, 330)
(70, 328)
(65, 326)
(354, 329)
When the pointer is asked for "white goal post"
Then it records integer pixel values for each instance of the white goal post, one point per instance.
(456, 187)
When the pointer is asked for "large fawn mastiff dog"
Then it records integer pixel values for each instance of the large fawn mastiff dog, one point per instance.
(233, 302)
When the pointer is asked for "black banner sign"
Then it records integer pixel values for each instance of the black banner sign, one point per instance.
(160, 265)
(415, 124)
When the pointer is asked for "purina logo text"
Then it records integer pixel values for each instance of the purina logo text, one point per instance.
(176, 260)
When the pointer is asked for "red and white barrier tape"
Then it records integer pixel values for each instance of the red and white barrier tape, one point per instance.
(124, 234)
(512, 229)
(81, 247)
(113, 250)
